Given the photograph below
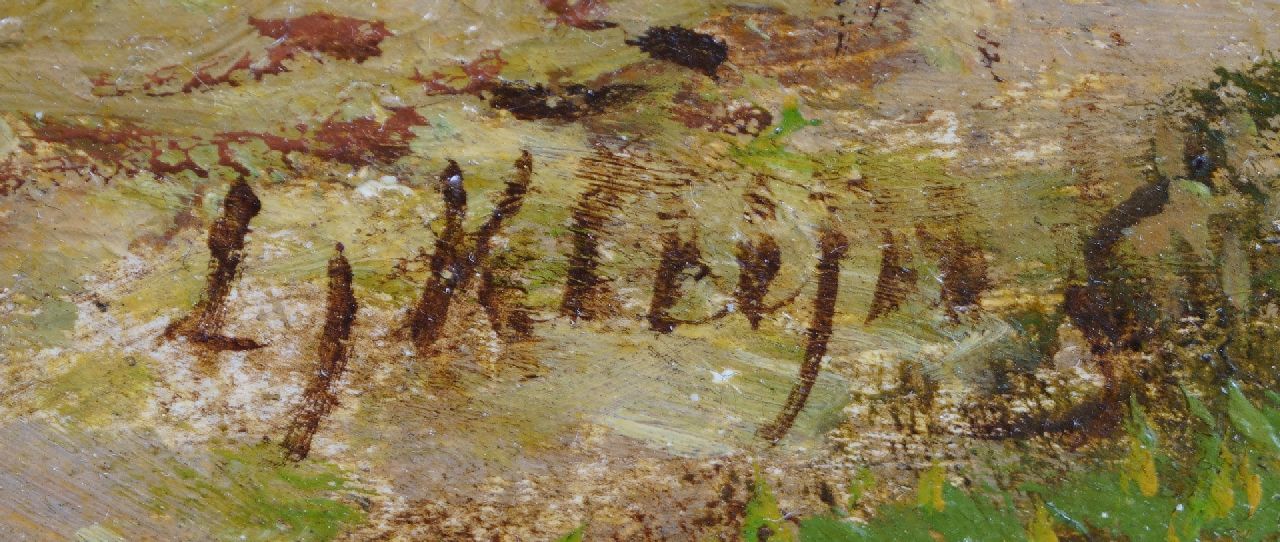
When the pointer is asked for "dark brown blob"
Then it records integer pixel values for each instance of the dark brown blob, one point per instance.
(319, 397)
(962, 268)
(826, 494)
(582, 14)
(896, 281)
(343, 38)
(456, 259)
(759, 261)
(226, 250)
(990, 55)
(679, 45)
(832, 246)
(537, 101)
(678, 255)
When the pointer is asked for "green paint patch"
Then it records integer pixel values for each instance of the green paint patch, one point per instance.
(829, 529)
(1229, 491)
(43, 323)
(574, 535)
(1194, 188)
(1218, 495)
(764, 519)
(768, 152)
(1259, 84)
(98, 388)
(260, 496)
(986, 515)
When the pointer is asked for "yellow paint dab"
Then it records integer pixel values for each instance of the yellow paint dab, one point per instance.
(1041, 527)
(1252, 484)
(930, 492)
(1140, 468)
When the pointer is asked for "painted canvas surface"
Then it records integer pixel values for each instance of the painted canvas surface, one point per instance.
(567, 270)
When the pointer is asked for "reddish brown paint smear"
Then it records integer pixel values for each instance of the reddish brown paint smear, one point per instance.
(477, 75)
(120, 149)
(365, 141)
(832, 246)
(583, 14)
(319, 397)
(226, 250)
(358, 142)
(344, 38)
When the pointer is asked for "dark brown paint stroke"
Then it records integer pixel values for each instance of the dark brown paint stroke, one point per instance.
(537, 101)
(1105, 321)
(964, 275)
(582, 283)
(678, 255)
(694, 50)
(832, 246)
(608, 183)
(455, 260)
(319, 397)
(759, 261)
(612, 181)
(446, 264)
(895, 280)
(226, 250)
(503, 306)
